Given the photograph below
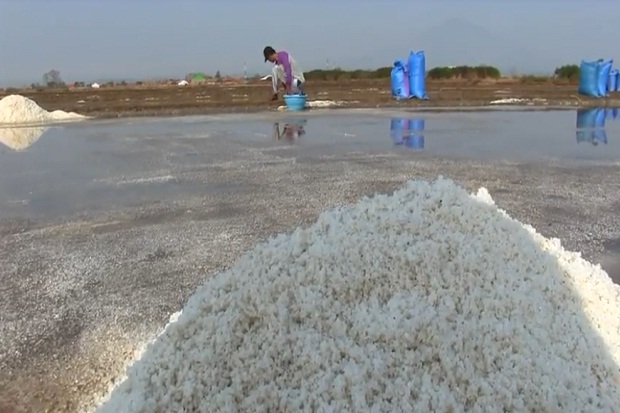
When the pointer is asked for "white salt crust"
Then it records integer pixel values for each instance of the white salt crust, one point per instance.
(17, 109)
(430, 300)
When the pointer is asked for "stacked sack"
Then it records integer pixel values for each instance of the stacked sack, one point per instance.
(597, 79)
(409, 78)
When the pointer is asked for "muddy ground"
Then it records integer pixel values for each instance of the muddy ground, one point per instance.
(177, 100)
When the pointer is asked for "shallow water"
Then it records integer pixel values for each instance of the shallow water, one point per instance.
(571, 136)
(71, 168)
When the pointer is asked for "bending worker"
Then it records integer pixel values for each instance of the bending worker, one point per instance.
(286, 72)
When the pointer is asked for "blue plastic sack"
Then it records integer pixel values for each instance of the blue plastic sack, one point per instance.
(604, 68)
(417, 75)
(399, 82)
(588, 79)
(614, 77)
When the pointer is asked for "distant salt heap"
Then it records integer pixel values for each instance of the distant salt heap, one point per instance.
(19, 110)
(429, 300)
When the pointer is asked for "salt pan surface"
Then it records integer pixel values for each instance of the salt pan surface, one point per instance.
(16, 109)
(427, 300)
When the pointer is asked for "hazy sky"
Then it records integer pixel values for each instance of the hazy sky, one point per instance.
(92, 40)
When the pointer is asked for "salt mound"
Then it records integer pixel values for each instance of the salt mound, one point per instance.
(427, 300)
(16, 109)
(19, 139)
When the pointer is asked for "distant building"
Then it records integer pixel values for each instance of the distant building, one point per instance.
(198, 78)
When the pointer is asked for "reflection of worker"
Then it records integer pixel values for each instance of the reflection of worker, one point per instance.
(286, 72)
(291, 130)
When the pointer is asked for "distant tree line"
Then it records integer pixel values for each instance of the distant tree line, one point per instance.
(569, 72)
(437, 73)
(341, 74)
(464, 72)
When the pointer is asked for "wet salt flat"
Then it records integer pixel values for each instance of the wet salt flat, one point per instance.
(48, 172)
(106, 227)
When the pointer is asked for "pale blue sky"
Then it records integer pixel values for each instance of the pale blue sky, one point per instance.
(93, 40)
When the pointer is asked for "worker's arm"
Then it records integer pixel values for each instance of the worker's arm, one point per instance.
(284, 60)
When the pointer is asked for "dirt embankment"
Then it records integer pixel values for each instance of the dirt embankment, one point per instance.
(203, 99)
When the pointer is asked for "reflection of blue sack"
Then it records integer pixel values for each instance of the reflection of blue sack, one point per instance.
(600, 135)
(609, 113)
(409, 132)
(593, 136)
(416, 124)
(415, 142)
(584, 136)
(612, 113)
(398, 130)
(586, 118)
(600, 118)
(591, 126)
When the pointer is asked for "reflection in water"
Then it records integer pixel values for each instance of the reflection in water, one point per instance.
(612, 113)
(408, 132)
(291, 130)
(19, 139)
(591, 126)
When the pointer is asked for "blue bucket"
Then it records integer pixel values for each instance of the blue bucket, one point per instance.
(295, 103)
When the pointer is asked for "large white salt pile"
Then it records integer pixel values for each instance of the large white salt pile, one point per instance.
(16, 109)
(430, 300)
